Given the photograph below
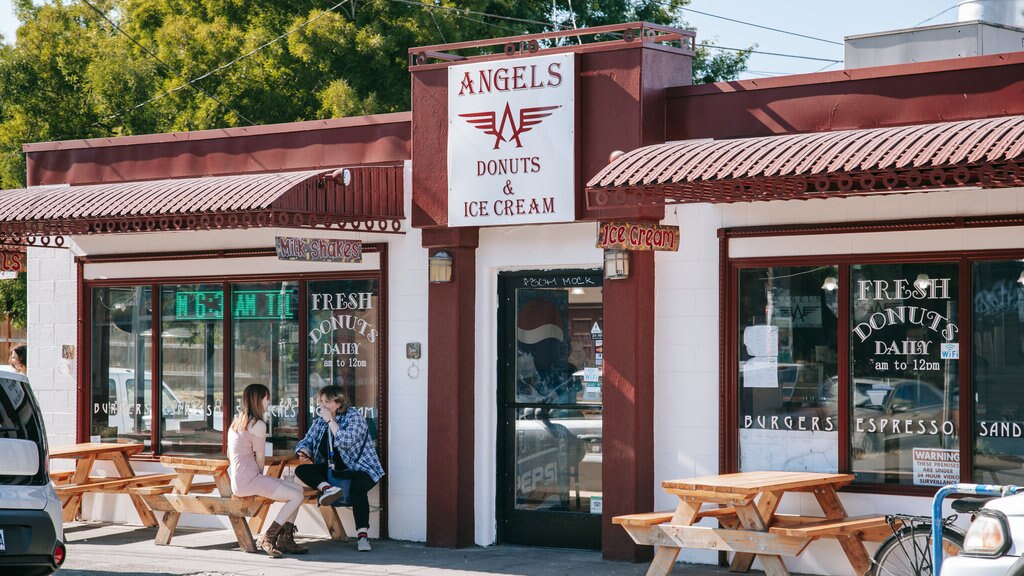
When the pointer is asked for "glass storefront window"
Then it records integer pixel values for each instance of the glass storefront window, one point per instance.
(997, 363)
(121, 406)
(788, 369)
(265, 350)
(343, 340)
(192, 366)
(904, 351)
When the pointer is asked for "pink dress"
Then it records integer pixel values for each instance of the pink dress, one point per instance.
(246, 477)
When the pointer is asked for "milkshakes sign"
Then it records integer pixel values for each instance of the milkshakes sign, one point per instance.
(511, 155)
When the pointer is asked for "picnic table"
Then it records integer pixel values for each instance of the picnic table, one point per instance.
(185, 496)
(745, 505)
(72, 485)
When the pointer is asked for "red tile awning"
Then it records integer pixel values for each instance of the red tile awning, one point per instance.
(369, 198)
(985, 153)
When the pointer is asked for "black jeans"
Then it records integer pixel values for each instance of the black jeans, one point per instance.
(315, 474)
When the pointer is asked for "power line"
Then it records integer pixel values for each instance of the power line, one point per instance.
(759, 26)
(770, 53)
(164, 64)
(937, 15)
(188, 83)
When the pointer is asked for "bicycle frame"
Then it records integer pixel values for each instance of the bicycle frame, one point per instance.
(962, 489)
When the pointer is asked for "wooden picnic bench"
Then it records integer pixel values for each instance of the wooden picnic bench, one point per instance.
(72, 485)
(749, 523)
(185, 496)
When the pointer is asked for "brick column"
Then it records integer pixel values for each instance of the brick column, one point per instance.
(451, 345)
(627, 473)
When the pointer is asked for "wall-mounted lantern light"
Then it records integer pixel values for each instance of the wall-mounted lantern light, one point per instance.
(1020, 280)
(830, 284)
(616, 264)
(440, 267)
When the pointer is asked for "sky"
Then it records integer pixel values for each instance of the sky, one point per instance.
(825, 19)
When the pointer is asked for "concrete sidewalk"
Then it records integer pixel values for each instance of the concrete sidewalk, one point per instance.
(96, 549)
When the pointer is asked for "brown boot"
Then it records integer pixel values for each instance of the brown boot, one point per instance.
(268, 542)
(286, 540)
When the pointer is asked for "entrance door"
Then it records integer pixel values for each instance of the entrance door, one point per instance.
(549, 408)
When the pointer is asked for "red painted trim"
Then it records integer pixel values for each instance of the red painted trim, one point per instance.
(869, 73)
(303, 419)
(84, 311)
(844, 410)
(727, 397)
(451, 346)
(183, 255)
(382, 379)
(627, 472)
(227, 413)
(155, 367)
(221, 133)
(948, 223)
(966, 381)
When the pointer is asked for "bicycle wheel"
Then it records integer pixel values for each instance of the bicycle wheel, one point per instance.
(908, 552)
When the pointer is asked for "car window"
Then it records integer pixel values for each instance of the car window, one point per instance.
(20, 419)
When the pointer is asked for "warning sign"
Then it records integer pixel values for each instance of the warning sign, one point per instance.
(936, 466)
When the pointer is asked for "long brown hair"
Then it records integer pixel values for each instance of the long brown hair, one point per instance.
(252, 407)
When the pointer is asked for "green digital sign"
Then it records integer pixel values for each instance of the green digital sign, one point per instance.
(248, 305)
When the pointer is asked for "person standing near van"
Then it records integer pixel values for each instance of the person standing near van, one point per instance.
(19, 359)
(246, 444)
(339, 443)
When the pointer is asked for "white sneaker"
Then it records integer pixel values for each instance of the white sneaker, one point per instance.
(363, 545)
(330, 496)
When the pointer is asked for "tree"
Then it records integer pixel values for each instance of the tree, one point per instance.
(71, 74)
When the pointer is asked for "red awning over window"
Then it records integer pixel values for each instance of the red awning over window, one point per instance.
(982, 153)
(368, 198)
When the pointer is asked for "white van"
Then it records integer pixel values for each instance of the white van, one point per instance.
(121, 410)
(31, 528)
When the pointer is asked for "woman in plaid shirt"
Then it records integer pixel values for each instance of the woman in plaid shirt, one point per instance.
(339, 440)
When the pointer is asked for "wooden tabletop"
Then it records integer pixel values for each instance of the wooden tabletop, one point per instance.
(95, 449)
(751, 483)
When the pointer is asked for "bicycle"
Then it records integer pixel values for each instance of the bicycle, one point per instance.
(908, 552)
(912, 547)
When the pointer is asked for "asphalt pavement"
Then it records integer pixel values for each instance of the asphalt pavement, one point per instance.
(97, 549)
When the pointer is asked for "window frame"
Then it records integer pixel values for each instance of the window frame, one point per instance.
(227, 283)
(729, 347)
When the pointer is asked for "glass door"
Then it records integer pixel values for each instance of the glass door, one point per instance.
(549, 408)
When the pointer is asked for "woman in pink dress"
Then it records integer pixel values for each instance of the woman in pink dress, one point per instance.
(246, 441)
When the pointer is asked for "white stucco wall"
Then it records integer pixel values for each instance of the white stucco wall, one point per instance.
(53, 317)
(506, 249)
(686, 327)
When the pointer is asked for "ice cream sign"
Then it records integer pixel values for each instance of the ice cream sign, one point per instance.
(511, 141)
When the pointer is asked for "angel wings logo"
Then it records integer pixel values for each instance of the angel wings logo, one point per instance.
(510, 127)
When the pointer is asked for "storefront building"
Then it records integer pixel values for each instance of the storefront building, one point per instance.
(844, 290)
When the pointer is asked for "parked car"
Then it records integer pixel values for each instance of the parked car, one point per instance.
(912, 413)
(31, 528)
(993, 543)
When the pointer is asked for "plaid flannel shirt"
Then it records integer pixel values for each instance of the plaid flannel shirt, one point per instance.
(348, 443)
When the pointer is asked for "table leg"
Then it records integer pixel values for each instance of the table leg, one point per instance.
(851, 544)
(334, 525)
(665, 556)
(241, 528)
(168, 522)
(767, 503)
(124, 468)
(73, 505)
(751, 519)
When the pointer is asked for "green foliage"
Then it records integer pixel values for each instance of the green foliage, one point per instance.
(13, 299)
(71, 75)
